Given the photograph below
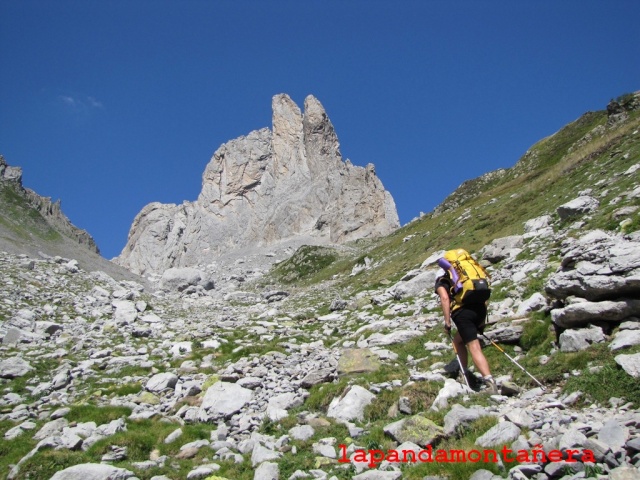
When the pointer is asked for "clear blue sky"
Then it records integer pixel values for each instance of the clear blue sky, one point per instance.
(110, 105)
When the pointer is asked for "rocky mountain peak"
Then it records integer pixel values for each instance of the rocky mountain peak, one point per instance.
(287, 184)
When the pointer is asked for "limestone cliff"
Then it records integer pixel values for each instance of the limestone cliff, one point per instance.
(262, 189)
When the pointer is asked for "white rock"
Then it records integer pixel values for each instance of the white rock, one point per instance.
(351, 405)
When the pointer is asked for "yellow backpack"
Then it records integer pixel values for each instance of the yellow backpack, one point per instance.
(470, 281)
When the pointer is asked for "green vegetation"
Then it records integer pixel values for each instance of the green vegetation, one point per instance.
(552, 172)
(307, 261)
(21, 219)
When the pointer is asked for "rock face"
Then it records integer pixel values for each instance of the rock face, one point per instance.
(50, 211)
(264, 188)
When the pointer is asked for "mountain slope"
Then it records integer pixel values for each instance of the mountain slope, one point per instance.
(321, 369)
(591, 154)
(33, 225)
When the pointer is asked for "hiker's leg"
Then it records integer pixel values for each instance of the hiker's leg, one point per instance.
(475, 349)
(461, 350)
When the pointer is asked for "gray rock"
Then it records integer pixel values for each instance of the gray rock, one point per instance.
(625, 339)
(576, 340)
(223, 400)
(93, 471)
(250, 382)
(51, 428)
(302, 432)
(278, 405)
(358, 360)
(13, 367)
(399, 336)
(203, 471)
(451, 389)
(510, 334)
(180, 279)
(599, 449)
(501, 248)
(162, 381)
(414, 286)
(350, 406)
(125, 312)
(262, 454)
(625, 473)
(378, 475)
(316, 377)
(537, 224)
(459, 416)
(482, 474)
(614, 435)
(534, 303)
(417, 429)
(267, 471)
(629, 363)
(520, 417)
(578, 206)
(324, 450)
(582, 313)
(173, 436)
(502, 434)
(572, 438)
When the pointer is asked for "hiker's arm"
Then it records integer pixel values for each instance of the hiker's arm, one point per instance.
(446, 305)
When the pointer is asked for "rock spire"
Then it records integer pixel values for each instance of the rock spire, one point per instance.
(268, 187)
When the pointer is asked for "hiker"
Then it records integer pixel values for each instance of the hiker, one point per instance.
(469, 318)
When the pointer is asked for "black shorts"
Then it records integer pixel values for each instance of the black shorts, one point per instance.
(470, 320)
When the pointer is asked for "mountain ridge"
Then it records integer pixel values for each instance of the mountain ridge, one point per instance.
(33, 225)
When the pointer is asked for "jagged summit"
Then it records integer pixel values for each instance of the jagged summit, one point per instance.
(262, 189)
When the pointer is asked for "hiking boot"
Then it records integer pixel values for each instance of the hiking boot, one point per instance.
(490, 387)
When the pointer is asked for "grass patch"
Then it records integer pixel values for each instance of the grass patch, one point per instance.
(606, 382)
(307, 261)
(320, 396)
(47, 462)
(537, 334)
(93, 413)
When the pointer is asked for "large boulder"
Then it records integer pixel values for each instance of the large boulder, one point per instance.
(181, 278)
(579, 339)
(502, 248)
(351, 405)
(222, 400)
(630, 363)
(161, 382)
(583, 313)
(93, 471)
(578, 206)
(416, 429)
(13, 367)
(597, 266)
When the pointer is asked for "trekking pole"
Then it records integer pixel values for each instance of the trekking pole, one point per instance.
(514, 361)
(466, 380)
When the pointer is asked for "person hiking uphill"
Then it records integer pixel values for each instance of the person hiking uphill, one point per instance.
(466, 308)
